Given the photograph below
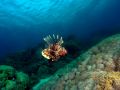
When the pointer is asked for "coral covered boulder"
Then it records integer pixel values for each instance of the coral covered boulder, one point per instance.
(108, 81)
(96, 69)
(10, 79)
(6, 72)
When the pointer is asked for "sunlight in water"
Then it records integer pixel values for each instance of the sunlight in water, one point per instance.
(34, 12)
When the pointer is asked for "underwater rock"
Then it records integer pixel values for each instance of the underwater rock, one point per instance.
(10, 85)
(36, 66)
(108, 81)
(6, 72)
(22, 79)
(96, 69)
(10, 79)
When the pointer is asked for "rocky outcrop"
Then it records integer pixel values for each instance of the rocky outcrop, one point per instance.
(10, 79)
(97, 69)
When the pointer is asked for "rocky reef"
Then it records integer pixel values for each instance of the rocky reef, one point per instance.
(10, 79)
(36, 66)
(96, 69)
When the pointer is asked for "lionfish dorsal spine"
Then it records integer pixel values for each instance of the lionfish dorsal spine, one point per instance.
(60, 41)
(45, 39)
(53, 39)
(57, 37)
(53, 36)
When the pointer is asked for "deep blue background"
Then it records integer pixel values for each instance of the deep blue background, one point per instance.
(23, 23)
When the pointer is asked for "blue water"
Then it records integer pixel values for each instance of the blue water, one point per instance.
(23, 23)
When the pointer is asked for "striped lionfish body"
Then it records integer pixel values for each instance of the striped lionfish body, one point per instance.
(54, 48)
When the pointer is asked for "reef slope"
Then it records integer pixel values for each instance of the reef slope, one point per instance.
(96, 69)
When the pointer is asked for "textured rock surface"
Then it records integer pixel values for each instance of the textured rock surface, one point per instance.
(97, 69)
(10, 79)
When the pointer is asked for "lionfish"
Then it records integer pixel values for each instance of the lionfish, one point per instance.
(54, 49)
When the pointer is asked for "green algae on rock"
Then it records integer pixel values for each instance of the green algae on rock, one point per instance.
(10, 79)
(98, 64)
